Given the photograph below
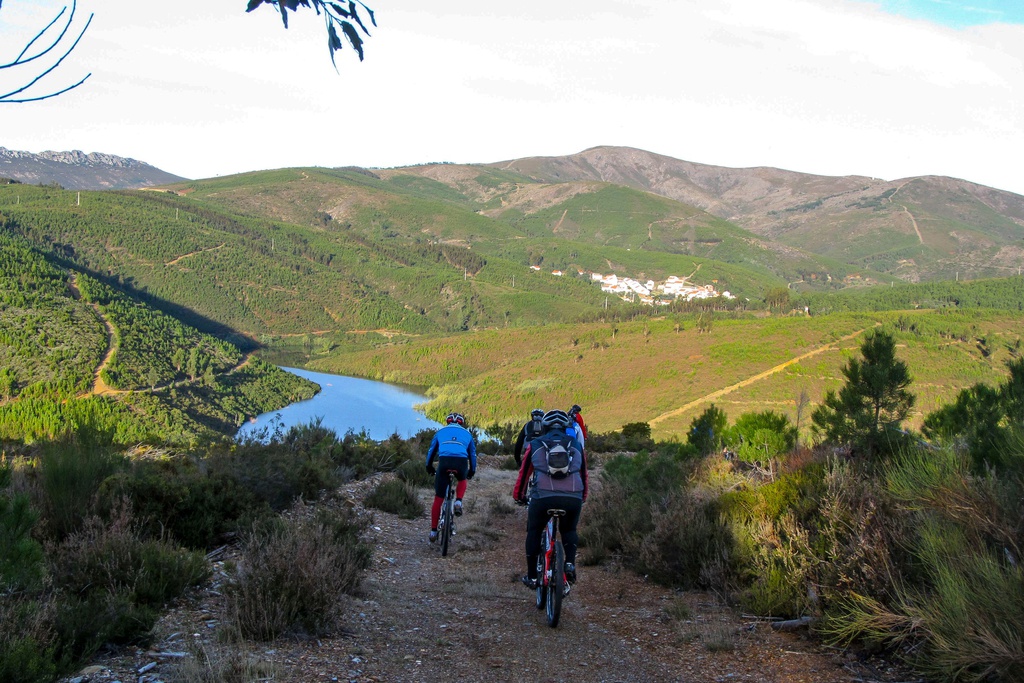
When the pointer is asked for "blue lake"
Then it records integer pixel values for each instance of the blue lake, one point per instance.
(347, 403)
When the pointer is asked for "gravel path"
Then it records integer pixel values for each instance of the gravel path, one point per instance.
(466, 618)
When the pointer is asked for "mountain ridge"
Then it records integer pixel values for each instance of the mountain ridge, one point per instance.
(77, 170)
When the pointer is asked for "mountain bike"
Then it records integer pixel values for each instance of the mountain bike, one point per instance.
(446, 523)
(551, 583)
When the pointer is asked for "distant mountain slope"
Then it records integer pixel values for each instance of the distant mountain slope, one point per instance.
(915, 229)
(77, 171)
(568, 226)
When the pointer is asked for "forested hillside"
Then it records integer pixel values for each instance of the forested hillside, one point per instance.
(150, 378)
(254, 276)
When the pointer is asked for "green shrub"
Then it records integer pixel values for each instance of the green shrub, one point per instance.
(85, 624)
(798, 492)
(761, 437)
(179, 496)
(113, 558)
(70, 473)
(396, 496)
(502, 437)
(632, 438)
(274, 473)
(620, 513)
(686, 539)
(508, 463)
(965, 628)
(954, 541)
(415, 473)
(861, 537)
(777, 568)
(21, 556)
(27, 649)
(707, 429)
(291, 573)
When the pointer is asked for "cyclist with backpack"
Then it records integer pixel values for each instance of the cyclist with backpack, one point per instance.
(553, 476)
(530, 431)
(455, 449)
(578, 425)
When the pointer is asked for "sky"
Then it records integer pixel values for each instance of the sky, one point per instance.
(884, 88)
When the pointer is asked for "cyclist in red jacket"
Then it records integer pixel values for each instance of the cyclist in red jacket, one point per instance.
(543, 488)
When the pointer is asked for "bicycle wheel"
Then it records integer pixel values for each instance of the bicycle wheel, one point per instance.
(541, 587)
(557, 586)
(447, 520)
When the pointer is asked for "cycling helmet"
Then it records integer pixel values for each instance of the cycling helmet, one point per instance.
(575, 410)
(555, 419)
(536, 414)
(455, 418)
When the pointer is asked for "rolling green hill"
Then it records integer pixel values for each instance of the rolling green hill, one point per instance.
(224, 272)
(668, 370)
(146, 377)
(505, 215)
(342, 264)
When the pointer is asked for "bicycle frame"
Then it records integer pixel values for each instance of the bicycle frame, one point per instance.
(446, 524)
(552, 585)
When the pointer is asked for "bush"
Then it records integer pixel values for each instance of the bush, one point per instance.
(707, 429)
(632, 438)
(292, 572)
(70, 474)
(84, 625)
(686, 540)
(397, 497)
(502, 437)
(21, 557)
(620, 514)
(777, 567)
(115, 559)
(177, 495)
(761, 437)
(26, 641)
(279, 473)
(415, 473)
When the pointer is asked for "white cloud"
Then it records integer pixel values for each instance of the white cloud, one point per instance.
(829, 86)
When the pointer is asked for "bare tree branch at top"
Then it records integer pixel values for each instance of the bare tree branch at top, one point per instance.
(37, 49)
(343, 18)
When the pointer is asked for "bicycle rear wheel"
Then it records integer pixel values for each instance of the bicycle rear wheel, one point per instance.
(447, 521)
(541, 587)
(556, 588)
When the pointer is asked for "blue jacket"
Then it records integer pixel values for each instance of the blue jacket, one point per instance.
(455, 442)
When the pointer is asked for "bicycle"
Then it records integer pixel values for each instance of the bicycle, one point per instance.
(552, 585)
(446, 523)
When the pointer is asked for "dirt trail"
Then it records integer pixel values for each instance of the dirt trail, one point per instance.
(467, 619)
(193, 253)
(913, 221)
(99, 387)
(750, 380)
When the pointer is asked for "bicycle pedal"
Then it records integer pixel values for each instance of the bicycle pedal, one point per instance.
(565, 591)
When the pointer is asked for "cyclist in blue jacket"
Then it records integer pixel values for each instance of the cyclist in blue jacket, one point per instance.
(454, 448)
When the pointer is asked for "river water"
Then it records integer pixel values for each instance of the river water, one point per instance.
(347, 403)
